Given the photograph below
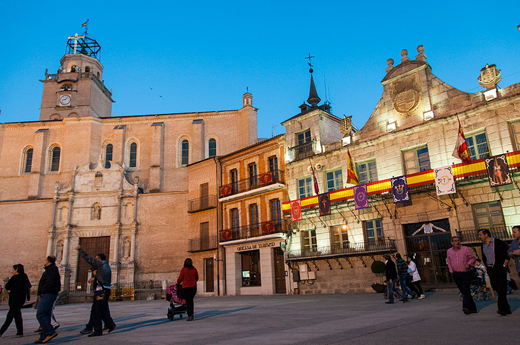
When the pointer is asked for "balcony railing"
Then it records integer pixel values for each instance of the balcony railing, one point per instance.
(254, 230)
(303, 151)
(202, 243)
(252, 183)
(201, 204)
(471, 236)
(348, 249)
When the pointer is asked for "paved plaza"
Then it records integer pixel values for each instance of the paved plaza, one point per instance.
(290, 319)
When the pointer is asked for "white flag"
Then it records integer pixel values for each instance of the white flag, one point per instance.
(444, 180)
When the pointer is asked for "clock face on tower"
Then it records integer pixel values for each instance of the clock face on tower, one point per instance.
(64, 100)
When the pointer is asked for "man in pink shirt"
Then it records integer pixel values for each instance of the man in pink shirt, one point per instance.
(461, 262)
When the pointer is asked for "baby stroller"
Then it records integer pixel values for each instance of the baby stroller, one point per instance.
(177, 305)
(477, 285)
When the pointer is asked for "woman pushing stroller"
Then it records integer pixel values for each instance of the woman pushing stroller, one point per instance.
(188, 278)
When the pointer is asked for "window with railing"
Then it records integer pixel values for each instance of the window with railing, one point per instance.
(339, 237)
(373, 232)
(234, 181)
(367, 171)
(334, 180)
(515, 131)
(273, 163)
(416, 160)
(304, 187)
(276, 211)
(252, 175)
(253, 217)
(235, 221)
(477, 146)
(309, 242)
(489, 215)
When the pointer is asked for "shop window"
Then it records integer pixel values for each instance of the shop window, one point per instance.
(251, 268)
(367, 171)
(416, 160)
(334, 180)
(477, 146)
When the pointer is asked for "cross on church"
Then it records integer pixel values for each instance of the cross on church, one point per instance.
(76, 37)
(309, 57)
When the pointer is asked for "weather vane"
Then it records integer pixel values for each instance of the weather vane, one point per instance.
(310, 63)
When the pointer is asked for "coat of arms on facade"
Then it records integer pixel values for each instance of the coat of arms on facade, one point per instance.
(405, 97)
(489, 76)
(345, 126)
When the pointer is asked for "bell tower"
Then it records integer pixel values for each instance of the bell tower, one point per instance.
(76, 90)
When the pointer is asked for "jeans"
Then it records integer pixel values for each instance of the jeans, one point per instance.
(189, 294)
(404, 288)
(100, 311)
(463, 281)
(498, 279)
(44, 314)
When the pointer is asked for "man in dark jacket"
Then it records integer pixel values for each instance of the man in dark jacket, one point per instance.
(496, 259)
(100, 310)
(391, 277)
(48, 289)
(402, 270)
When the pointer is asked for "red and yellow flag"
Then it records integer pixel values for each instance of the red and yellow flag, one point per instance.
(461, 147)
(352, 177)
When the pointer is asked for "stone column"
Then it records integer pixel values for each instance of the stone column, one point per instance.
(35, 180)
(157, 157)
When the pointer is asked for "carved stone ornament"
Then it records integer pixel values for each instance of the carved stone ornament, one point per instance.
(405, 98)
(489, 76)
(345, 126)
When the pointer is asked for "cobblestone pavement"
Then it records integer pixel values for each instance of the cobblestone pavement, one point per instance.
(290, 319)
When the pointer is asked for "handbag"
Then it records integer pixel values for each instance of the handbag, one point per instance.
(101, 294)
(180, 292)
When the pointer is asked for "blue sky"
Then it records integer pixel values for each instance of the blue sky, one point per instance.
(201, 56)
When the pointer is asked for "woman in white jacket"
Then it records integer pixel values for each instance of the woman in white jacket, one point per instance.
(416, 278)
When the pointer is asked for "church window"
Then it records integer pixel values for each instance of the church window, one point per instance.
(185, 152)
(28, 160)
(73, 68)
(87, 69)
(212, 147)
(132, 163)
(55, 158)
(109, 149)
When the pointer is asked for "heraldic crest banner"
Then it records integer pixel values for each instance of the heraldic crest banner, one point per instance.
(296, 210)
(498, 171)
(444, 180)
(324, 204)
(360, 197)
(400, 189)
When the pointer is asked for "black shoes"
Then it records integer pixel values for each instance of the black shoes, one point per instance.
(95, 334)
(85, 331)
(504, 313)
(111, 328)
(467, 311)
(190, 318)
(389, 302)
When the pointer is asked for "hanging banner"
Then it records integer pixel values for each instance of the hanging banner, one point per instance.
(324, 204)
(266, 178)
(296, 210)
(226, 235)
(360, 196)
(498, 171)
(225, 190)
(268, 227)
(400, 189)
(444, 180)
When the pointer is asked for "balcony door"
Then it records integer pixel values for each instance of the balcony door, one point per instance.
(203, 196)
(209, 275)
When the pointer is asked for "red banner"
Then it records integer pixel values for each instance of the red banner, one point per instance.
(266, 178)
(225, 190)
(226, 235)
(296, 210)
(268, 227)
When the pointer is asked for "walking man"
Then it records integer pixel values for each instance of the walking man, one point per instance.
(391, 276)
(402, 270)
(495, 257)
(100, 310)
(514, 249)
(461, 262)
(48, 289)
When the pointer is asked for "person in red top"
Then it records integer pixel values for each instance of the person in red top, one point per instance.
(189, 277)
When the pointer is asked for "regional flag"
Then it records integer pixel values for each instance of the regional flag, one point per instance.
(352, 177)
(324, 204)
(316, 187)
(296, 210)
(400, 189)
(461, 148)
(360, 196)
(444, 181)
(268, 227)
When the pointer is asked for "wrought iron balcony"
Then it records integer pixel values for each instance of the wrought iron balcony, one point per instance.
(254, 230)
(471, 236)
(263, 180)
(202, 243)
(201, 204)
(302, 151)
(348, 249)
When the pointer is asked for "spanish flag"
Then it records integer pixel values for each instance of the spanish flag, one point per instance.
(461, 148)
(84, 24)
(352, 177)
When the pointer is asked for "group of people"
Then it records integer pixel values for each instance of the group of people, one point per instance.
(462, 264)
(406, 274)
(49, 287)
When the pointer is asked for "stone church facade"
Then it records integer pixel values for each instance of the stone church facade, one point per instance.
(117, 185)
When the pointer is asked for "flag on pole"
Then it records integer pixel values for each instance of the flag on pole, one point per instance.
(461, 148)
(316, 187)
(352, 177)
(84, 24)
